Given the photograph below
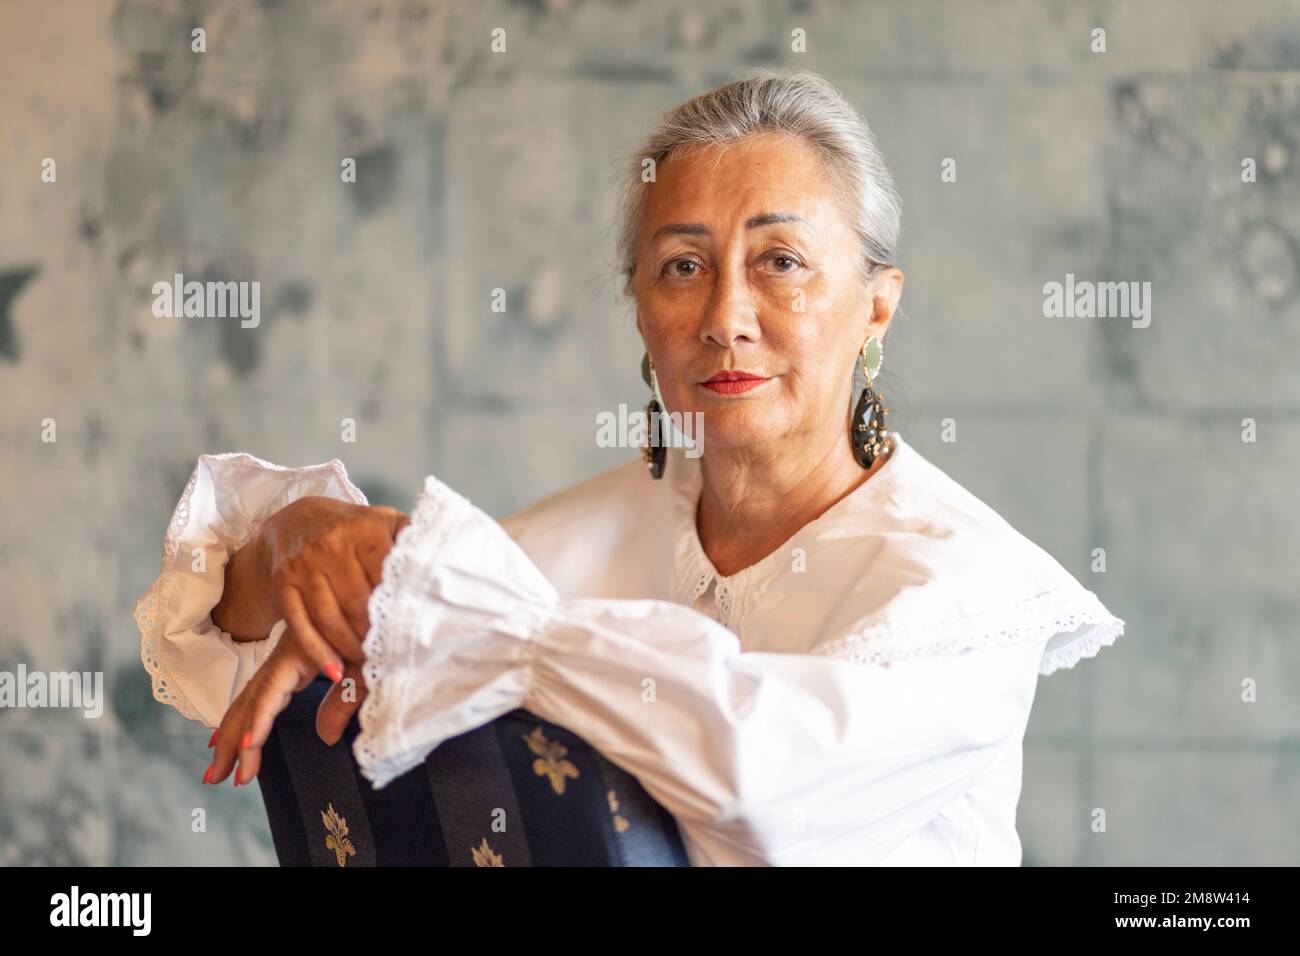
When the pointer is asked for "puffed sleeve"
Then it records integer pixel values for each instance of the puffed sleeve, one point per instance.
(194, 665)
(762, 757)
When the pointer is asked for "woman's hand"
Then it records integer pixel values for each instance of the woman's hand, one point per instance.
(313, 563)
(324, 557)
(248, 721)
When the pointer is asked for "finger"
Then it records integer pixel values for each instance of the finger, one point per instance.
(371, 554)
(353, 589)
(225, 751)
(312, 644)
(273, 694)
(329, 620)
(339, 704)
(371, 558)
(390, 516)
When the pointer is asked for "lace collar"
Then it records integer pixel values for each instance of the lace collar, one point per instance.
(937, 571)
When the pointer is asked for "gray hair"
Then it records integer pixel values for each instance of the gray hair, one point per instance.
(799, 103)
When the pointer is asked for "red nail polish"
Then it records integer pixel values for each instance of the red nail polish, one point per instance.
(207, 774)
(236, 775)
(247, 740)
(213, 739)
(334, 672)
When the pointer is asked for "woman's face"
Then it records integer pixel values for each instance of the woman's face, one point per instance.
(746, 263)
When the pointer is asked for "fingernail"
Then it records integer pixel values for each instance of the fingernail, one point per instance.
(247, 740)
(236, 775)
(334, 672)
(207, 774)
(213, 739)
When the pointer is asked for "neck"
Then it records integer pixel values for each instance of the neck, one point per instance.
(754, 500)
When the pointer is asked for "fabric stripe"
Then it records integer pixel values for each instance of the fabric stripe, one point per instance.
(470, 781)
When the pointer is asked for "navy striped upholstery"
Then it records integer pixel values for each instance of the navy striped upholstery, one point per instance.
(516, 792)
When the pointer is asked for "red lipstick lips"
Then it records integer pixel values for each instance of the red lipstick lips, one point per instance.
(733, 383)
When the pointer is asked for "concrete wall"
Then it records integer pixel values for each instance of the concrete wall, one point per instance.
(480, 171)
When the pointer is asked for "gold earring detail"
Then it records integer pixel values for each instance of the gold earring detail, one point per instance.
(867, 430)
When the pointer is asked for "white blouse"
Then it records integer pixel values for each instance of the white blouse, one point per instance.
(858, 696)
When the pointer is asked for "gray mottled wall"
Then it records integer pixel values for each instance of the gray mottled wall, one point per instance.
(479, 171)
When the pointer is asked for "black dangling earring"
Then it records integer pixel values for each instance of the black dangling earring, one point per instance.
(867, 429)
(655, 452)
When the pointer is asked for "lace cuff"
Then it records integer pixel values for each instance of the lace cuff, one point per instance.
(1071, 621)
(452, 623)
(194, 666)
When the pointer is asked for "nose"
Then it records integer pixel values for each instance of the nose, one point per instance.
(730, 315)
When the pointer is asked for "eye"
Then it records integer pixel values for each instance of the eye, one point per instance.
(786, 263)
(671, 268)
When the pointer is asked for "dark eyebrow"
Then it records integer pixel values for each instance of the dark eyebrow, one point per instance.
(753, 222)
(769, 218)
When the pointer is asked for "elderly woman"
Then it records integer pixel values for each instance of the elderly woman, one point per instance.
(809, 644)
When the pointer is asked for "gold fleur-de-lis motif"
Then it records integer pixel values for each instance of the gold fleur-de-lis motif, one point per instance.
(338, 835)
(620, 821)
(550, 760)
(483, 855)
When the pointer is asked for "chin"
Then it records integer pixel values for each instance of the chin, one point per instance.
(737, 426)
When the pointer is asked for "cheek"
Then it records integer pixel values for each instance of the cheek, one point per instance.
(673, 347)
(662, 336)
(818, 358)
(806, 342)
(676, 352)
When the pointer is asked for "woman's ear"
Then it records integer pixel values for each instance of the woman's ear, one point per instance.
(887, 290)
